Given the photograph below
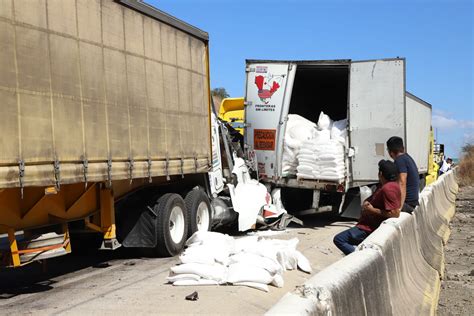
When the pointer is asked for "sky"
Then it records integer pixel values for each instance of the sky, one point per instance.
(435, 36)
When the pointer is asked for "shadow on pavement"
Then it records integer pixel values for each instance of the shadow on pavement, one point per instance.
(324, 219)
(39, 276)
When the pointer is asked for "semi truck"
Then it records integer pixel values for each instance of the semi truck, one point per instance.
(106, 126)
(370, 94)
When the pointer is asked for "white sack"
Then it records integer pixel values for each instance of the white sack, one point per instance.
(295, 119)
(207, 254)
(339, 129)
(195, 282)
(287, 259)
(276, 198)
(324, 122)
(303, 169)
(291, 143)
(247, 199)
(201, 237)
(254, 285)
(321, 136)
(179, 277)
(278, 281)
(365, 193)
(239, 272)
(243, 243)
(301, 133)
(215, 272)
(311, 176)
(256, 260)
(303, 262)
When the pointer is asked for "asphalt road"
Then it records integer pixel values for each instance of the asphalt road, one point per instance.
(122, 282)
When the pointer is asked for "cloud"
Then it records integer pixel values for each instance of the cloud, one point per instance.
(469, 138)
(444, 122)
(442, 112)
(467, 124)
(439, 121)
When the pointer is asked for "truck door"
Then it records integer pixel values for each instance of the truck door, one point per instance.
(376, 112)
(266, 105)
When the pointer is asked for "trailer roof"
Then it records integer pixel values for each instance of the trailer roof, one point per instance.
(302, 62)
(161, 16)
(414, 97)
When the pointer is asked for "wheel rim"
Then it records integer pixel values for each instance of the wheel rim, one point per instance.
(177, 224)
(202, 216)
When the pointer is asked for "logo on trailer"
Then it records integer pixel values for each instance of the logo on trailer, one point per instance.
(267, 85)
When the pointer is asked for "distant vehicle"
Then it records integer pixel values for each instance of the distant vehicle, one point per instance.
(370, 94)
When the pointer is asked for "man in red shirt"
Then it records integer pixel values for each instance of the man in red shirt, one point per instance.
(383, 204)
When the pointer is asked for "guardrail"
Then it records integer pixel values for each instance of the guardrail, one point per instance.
(395, 271)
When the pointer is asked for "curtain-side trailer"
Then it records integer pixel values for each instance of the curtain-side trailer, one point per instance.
(103, 101)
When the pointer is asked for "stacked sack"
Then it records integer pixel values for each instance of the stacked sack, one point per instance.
(314, 151)
(213, 259)
(322, 157)
(323, 161)
(298, 130)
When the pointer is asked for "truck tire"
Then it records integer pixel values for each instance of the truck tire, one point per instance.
(172, 228)
(199, 211)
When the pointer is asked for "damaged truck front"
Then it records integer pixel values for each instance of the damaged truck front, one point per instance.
(106, 126)
(366, 102)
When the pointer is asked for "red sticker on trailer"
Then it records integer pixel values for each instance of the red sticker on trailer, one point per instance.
(264, 139)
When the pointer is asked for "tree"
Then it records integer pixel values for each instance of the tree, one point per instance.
(466, 165)
(220, 92)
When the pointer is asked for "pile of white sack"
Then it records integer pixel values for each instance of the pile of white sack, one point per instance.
(217, 259)
(315, 151)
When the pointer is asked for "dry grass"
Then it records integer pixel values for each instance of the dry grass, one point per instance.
(466, 166)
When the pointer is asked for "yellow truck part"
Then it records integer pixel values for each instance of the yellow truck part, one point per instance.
(232, 110)
(432, 165)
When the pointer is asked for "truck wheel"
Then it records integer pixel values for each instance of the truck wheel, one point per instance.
(199, 211)
(172, 225)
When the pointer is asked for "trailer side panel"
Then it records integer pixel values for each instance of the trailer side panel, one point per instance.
(89, 84)
(418, 131)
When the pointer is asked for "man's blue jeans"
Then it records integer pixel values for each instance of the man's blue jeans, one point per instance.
(347, 240)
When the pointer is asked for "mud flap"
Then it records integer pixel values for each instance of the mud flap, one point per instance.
(351, 204)
(142, 232)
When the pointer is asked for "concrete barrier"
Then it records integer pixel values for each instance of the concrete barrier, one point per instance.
(395, 271)
(344, 288)
(385, 241)
(431, 244)
(422, 280)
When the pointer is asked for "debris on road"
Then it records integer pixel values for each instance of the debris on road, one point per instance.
(256, 207)
(192, 297)
(102, 265)
(218, 259)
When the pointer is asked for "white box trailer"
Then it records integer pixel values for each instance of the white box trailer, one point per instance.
(418, 124)
(370, 94)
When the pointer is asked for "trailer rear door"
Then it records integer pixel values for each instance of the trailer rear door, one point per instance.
(266, 104)
(376, 112)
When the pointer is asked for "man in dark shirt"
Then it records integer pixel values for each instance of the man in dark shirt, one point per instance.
(383, 204)
(408, 178)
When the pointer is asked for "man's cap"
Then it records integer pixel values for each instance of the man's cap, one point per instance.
(388, 169)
